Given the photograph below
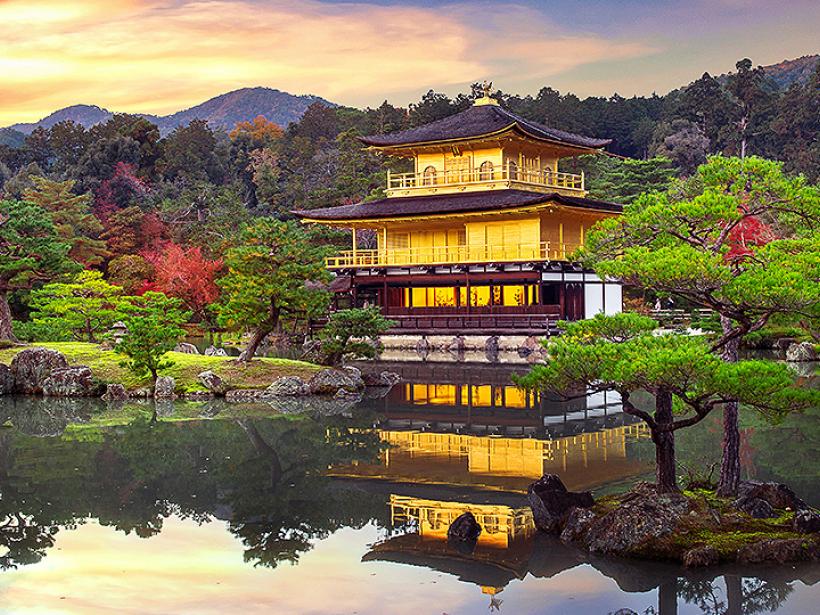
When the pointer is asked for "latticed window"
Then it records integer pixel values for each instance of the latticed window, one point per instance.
(429, 177)
(485, 171)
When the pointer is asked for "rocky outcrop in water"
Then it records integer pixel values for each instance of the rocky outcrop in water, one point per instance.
(801, 352)
(30, 368)
(186, 348)
(213, 351)
(288, 386)
(331, 381)
(551, 503)
(115, 392)
(6, 380)
(76, 381)
(164, 388)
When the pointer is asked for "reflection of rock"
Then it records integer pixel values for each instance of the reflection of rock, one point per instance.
(212, 382)
(464, 528)
(313, 405)
(164, 407)
(244, 395)
(801, 352)
(32, 366)
(164, 387)
(38, 416)
(186, 348)
(77, 381)
(551, 502)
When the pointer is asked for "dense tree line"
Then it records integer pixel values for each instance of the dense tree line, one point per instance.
(160, 214)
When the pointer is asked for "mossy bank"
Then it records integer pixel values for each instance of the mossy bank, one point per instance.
(105, 364)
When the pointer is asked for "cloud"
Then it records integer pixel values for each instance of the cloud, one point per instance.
(159, 56)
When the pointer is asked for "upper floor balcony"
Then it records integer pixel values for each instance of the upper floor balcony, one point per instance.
(452, 255)
(485, 177)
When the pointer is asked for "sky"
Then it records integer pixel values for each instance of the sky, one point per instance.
(160, 56)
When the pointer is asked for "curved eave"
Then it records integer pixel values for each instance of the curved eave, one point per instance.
(456, 214)
(514, 126)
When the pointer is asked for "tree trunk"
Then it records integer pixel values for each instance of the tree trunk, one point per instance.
(734, 594)
(6, 332)
(264, 450)
(253, 345)
(730, 462)
(664, 440)
(668, 598)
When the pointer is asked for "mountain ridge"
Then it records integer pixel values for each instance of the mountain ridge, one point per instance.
(221, 112)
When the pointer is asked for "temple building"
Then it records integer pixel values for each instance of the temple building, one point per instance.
(479, 236)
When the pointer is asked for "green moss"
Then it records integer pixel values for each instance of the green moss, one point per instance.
(105, 364)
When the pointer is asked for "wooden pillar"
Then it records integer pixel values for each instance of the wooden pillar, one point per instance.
(355, 260)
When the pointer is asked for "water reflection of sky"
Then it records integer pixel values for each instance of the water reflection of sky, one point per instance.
(446, 440)
(191, 568)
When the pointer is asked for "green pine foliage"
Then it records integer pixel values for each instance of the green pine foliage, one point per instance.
(352, 334)
(154, 324)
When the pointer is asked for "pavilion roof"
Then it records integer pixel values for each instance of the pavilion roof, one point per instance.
(464, 202)
(479, 121)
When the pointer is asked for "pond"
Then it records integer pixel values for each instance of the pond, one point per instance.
(336, 508)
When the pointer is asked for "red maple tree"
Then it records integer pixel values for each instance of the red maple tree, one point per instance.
(186, 274)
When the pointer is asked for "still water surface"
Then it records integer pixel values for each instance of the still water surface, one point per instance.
(341, 508)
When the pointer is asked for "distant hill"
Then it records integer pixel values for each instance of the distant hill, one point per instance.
(221, 112)
(788, 72)
(11, 137)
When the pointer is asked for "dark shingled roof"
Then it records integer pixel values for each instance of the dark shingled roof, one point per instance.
(477, 121)
(450, 203)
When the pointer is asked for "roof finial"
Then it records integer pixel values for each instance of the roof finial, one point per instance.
(486, 88)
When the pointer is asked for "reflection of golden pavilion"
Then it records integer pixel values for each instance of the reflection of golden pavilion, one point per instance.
(500, 524)
(583, 461)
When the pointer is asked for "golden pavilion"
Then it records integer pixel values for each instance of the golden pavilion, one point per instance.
(479, 237)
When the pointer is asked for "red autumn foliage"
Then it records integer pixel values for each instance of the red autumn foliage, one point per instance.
(122, 189)
(186, 274)
(749, 232)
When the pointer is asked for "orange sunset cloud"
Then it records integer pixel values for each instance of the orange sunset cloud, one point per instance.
(158, 56)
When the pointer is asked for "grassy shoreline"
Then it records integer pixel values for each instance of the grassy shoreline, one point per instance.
(105, 364)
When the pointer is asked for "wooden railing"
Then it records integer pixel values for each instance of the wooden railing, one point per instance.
(451, 255)
(478, 175)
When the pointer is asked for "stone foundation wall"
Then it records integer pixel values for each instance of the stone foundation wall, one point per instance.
(493, 348)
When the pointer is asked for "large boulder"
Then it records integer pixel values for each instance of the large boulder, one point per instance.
(186, 348)
(288, 386)
(778, 550)
(755, 507)
(32, 366)
(115, 392)
(381, 379)
(700, 557)
(551, 502)
(777, 495)
(212, 382)
(6, 380)
(213, 351)
(578, 522)
(331, 381)
(77, 381)
(164, 387)
(806, 521)
(642, 517)
(803, 351)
